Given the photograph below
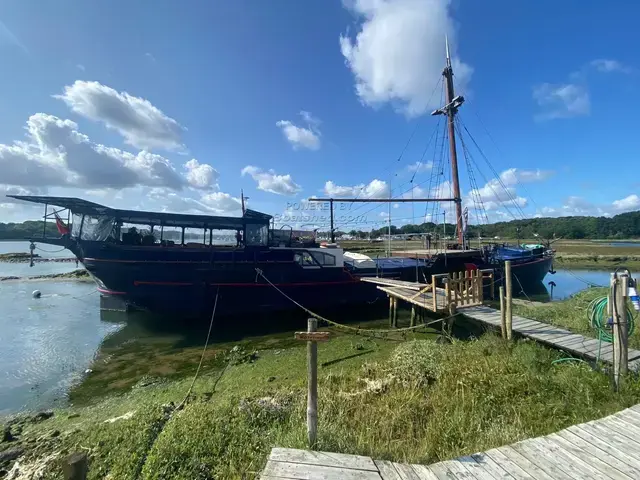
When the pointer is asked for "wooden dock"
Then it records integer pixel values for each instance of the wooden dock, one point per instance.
(464, 294)
(573, 343)
(608, 448)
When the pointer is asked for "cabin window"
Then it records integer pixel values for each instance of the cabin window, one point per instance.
(324, 259)
(134, 234)
(75, 225)
(304, 259)
(256, 234)
(195, 237)
(96, 229)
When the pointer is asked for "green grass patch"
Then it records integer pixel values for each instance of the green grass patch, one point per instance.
(408, 400)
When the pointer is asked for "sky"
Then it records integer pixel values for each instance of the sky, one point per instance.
(175, 106)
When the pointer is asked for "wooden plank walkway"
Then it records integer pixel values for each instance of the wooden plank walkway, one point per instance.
(608, 448)
(553, 336)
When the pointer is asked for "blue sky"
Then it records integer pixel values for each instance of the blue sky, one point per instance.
(177, 106)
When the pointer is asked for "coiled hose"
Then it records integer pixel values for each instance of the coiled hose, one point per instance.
(598, 319)
(600, 322)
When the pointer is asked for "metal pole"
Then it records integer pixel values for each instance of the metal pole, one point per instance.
(44, 224)
(312, 395)
(333, 235)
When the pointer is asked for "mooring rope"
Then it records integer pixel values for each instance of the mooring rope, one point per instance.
(355, 330)
(206, 343)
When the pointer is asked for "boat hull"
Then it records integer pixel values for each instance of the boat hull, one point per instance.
(187, 282)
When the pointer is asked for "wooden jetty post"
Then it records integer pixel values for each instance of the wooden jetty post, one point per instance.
(312, 336)
(619, 285)
(503, 314)
(509, 297)
(75, 466)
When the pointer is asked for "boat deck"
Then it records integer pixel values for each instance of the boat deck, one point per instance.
(430, 252)
(608, 448)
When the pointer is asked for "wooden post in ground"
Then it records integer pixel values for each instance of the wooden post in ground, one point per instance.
(508, 297)
(312, 336)
(434, 290)
(312, 395)
(395, 313)
(620, 328)
(503, 314)
(75, 467)
(390, 310)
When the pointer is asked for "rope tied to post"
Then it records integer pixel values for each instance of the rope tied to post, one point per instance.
(354, 330)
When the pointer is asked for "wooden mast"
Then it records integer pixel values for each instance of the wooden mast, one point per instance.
(450, 110)
(448, 75)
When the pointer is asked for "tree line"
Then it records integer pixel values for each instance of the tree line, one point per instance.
(625, 225)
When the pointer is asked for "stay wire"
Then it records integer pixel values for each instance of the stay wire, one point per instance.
(497, 176)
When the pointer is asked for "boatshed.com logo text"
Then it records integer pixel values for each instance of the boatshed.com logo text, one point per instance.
(319, 212)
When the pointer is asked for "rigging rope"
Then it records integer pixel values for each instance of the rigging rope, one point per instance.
(497, 176)
(206, 343)
(354, 330)
(495, 144)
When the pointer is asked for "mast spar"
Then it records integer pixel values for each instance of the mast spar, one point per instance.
(450, 110)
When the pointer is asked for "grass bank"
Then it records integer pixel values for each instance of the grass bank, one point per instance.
(570, 314)
(403, 399)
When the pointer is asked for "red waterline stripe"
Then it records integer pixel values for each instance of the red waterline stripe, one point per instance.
(175, 284)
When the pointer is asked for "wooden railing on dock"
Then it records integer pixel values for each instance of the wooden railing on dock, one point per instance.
(446, 293)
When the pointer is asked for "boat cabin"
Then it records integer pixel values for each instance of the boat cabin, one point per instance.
(92, 222)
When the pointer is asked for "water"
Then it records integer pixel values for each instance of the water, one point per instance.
(46, 344)
(624, 244)
(569, 282)
(22, 269)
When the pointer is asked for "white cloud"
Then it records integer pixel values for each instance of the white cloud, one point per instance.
(140, 123)
(80, 67)
(420, 167)
(56, 153)
(150, 57)
(270, 181)
(302, 137)
(561, 100)
(607, 66)
(398, 53)
(222, 203)
(200, 175)
(374, 189)
(632, 202)
(396, 205)
(513, 176)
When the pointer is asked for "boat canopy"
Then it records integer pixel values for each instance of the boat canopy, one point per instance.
(84, 207)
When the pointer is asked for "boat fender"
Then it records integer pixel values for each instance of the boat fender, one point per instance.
(36, 294)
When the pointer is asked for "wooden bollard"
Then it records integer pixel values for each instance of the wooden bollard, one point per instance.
(503, 314)
(413, 315)
(620, 327)
(312, 336)
(75, 466)
(509, 297)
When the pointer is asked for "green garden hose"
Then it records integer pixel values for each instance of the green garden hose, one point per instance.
(598, 319)
(603, 325)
